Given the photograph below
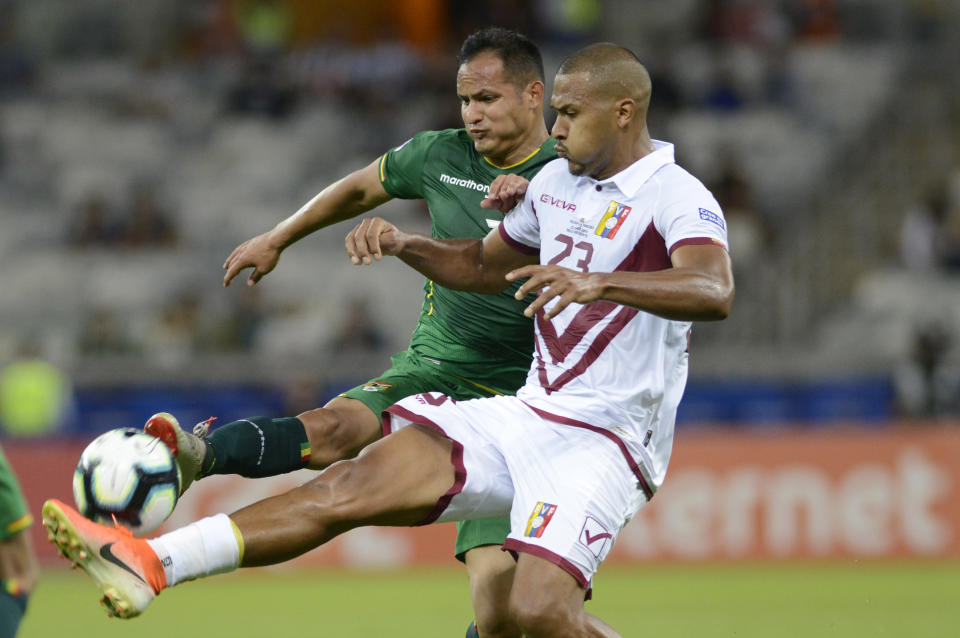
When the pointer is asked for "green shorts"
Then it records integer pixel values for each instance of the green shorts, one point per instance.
(412, 374)
(14, 515)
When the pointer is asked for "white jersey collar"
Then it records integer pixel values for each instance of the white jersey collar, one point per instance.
(630, 179)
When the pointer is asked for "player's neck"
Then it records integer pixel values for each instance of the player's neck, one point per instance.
(528, 145)
(637, 150)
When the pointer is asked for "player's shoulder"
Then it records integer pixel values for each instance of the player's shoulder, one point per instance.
(552, 172)
(426, 140)
(678, 185)
(455, 137)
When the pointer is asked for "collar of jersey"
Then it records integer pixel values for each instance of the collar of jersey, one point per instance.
(503, 168)
(630, 179)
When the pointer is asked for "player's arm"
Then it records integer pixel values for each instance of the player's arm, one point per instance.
(477, 265)
(348, 197)
(699, 286)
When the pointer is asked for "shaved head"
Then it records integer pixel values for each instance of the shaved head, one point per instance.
(610, 72)
(601, 95)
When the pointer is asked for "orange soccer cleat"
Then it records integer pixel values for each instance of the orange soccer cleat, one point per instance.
(125, 569)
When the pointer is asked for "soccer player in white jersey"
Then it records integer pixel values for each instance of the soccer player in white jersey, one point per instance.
(625, 249)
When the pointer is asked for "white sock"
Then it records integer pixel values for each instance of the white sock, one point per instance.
(204, 548)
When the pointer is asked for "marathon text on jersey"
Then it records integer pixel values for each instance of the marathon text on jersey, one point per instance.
(465, 183)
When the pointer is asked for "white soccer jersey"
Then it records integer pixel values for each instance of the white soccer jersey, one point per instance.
(603, 366)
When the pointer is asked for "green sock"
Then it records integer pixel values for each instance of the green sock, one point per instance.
(13, 604)
(257, 447)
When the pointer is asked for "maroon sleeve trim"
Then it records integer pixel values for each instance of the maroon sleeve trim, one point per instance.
(516, 245)
(697, 241)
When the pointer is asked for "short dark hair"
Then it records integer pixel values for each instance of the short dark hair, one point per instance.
(521, 58)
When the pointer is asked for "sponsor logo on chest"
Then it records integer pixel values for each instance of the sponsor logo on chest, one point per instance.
(562, 204)
(464, 183)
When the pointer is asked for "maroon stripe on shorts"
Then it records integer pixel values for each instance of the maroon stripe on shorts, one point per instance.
(456, 458)
(385, 426)
(556, 418)
(513, 545)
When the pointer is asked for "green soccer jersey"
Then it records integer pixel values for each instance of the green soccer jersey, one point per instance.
(471, 335)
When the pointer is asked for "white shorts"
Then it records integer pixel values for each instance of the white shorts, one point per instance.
(568, 490)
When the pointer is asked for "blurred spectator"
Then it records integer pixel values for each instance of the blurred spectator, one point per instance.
(16, 66)
(236, 329)
(36, 397)
(173, 339)
(569, 23)
(817, 20)
(749, 234)
(93, 224)
(147, 222)
(209, 30)
(466, 17)
(930, 234)
(102, 334)
(358, 333)
(265, 27)
(723, 96)
(262, 90)
(754, 22)
(927, 385)
(302, 393)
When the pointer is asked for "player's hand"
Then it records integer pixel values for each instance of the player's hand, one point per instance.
(260, 253)
(505, 192)
(371, 239)
(553, 282)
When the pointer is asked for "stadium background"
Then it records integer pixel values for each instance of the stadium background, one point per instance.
(814, 488)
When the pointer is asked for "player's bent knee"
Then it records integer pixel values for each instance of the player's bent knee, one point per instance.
(498, 624)
(538, 615)
(333, 436)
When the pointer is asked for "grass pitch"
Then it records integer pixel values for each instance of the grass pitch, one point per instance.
(848, 600)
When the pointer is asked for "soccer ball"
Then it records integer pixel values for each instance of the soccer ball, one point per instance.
(128, 476)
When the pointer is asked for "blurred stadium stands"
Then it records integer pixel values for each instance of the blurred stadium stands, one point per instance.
(140, 142)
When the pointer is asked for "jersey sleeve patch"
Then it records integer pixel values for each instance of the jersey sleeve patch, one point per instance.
(713, 218)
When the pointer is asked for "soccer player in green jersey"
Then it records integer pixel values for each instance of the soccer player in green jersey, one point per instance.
(18, 566)
(465, 345)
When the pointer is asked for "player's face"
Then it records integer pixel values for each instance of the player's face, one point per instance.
(585, 127)
(497, 115)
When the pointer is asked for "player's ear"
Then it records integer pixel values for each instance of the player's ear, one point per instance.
(534, 93)
(626, 111)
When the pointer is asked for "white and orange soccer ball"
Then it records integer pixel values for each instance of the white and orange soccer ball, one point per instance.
(128, 477)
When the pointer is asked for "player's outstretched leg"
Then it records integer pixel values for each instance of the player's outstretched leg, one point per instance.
(399, 480)
(125, 569)
(262, 446)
